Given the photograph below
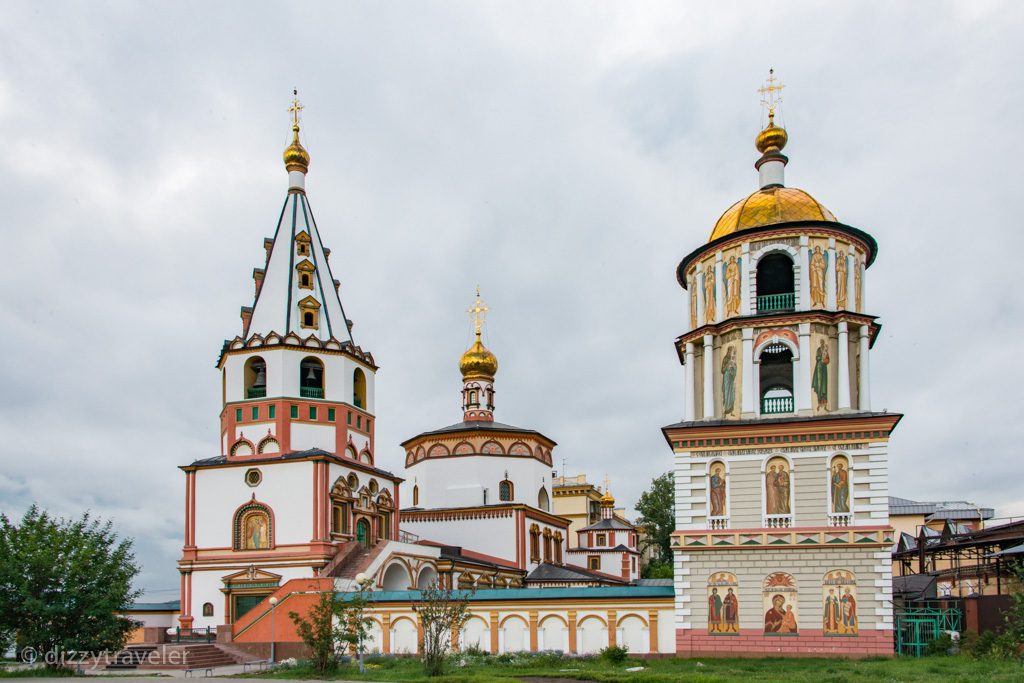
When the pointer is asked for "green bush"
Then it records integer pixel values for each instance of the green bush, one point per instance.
(614, 654)
(940, 646)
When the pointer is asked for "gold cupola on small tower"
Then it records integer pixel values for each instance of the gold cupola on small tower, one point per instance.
(478, 362)
(296, 158)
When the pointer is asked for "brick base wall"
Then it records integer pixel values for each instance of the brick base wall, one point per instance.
(754, 643)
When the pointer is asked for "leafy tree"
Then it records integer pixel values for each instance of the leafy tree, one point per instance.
(328, 637)
(441, 611)
(657, 517)
(63, 584)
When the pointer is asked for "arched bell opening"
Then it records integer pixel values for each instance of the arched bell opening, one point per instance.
(776, 379)
(776, 289)
(358, 389)
(311, 378)
(255, 378)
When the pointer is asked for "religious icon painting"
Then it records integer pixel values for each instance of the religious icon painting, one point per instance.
(778, 494)
(839, 485)
(839, 609)
(779, 600)
(723, 604)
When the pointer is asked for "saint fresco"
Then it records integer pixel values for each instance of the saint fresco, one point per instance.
(779, 599)
(255, 529)
(819, 381)
(841, 281)
(732, 286)
(819, 262)
(729, 381)
(716, 490)
(839, 612)
(840, 485)
(777, 487)
(723, 604)
(709, 295)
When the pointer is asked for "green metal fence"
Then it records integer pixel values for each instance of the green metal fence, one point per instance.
(921, 622)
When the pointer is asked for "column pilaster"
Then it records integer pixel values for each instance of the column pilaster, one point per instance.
(803, 284)
(864, 388)
(719, 287)
(745, 294)
(709, 377)
(690, 397)
(802, 380)
(844, 366)
(748, 397)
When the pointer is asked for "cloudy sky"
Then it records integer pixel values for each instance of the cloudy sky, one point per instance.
(563, 156)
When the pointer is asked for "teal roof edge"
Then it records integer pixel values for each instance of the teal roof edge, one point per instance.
(491, 594)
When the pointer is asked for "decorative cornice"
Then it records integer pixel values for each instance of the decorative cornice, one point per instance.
(821, 430)
(767, 539)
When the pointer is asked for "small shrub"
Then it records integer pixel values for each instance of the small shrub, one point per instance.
(614, 654)
(940, 646)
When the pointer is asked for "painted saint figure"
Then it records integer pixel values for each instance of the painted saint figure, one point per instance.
(830, 615)
(255, 532)
(841, 281)
(857, 287)
(771, 491)
(693, 301)
(775, 614)
(848, 605)
(782, 490)
(709, 294)
(717, 492)
(714, 611)
(732, 612)
(819, 381)
(788, 620)
(732, 285)
(818, 266)
(840, 488)
(729, 382)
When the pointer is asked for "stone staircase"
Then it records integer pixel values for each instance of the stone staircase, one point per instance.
(355, 562)
(192, 656)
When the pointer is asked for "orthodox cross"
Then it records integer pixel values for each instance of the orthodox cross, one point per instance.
(477, 312)
(295, 108)
(771, 94)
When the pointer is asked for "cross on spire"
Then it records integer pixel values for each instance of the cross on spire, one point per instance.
(477, 313)
(771, 94)
(295, 108)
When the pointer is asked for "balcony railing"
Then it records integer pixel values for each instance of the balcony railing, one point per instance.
(256, 392)
(778, 521)
(407, 537)
(311, 392)
(776, 404)
(840, 519)
(767, 303)
(718, 523)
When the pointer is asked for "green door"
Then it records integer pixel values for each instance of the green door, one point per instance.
(363, 533)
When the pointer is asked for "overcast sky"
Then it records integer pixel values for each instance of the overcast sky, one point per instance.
(563, 156)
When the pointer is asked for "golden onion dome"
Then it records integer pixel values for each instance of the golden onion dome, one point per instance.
(772, 138)
(296, 158)
(608, 499)
(769, 206)
(478, 361)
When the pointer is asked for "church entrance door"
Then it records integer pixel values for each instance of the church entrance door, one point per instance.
(363, 533)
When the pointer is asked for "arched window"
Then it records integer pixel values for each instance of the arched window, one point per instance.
(416, 495)
(253, 527)
(311, 378)
(505, 490)
(776, 375)
(558, 547)
(775, 291)
(255, 378)
(358, 389)
(207, 609)
(534, 543)
(547, 545)
(543, 502)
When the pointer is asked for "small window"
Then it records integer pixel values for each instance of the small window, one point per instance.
(602, 539)
(207, 609)
(505, 490)
(308, 319)
(295, 412)
(348, 418)
(359, 421)
(238, 414)
(304, 281)
(594, 562)
(415, 495)
(253, 477)
(271, 412)
(312, 412)
(302, 249)
(255, 412)
(330, 414)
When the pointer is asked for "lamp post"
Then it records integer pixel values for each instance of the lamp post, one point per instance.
(273, 604)
(364, 581)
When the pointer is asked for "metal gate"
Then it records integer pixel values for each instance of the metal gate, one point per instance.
(920, 622)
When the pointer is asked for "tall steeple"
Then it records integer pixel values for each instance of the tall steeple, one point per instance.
(478, 366)
(296, 291)
(770, 141)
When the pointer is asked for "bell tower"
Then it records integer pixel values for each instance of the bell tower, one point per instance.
(781, 466)
(294, 379)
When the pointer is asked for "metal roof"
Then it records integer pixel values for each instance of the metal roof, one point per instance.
(947, 509)
(169, 606)
(552, 572)
(546, 594)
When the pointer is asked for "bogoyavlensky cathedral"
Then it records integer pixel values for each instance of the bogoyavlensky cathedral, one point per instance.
(781, 474)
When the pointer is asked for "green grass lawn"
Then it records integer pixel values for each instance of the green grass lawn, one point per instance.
(502, 669)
